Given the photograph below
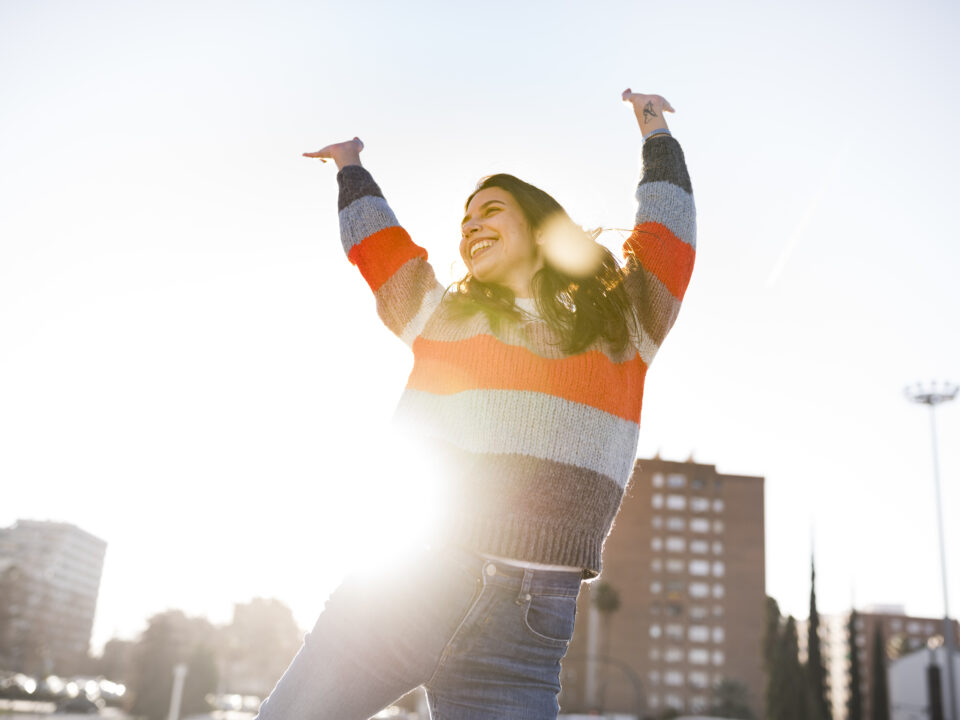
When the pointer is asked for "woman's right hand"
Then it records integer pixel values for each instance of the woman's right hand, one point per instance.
(343, 153)
(649, 109)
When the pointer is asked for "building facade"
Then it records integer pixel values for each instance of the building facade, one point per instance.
(903, 635)
(686, 561)
(52, 571)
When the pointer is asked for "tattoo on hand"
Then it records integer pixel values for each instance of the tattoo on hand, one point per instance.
(648, 112)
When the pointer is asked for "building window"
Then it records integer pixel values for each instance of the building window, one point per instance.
(699, 504)
(674, 565)
(676, 543)
(698, 612)
(654, 653)
(718, 657)
(656, 587)
(718, 569)
(675, 632)
(674, 610)
(676, 502)
(676, 480)
(718, 505)
(654, 677)
(913, 627)
(718, 634)
(657, 479)
(699, 546)
(676, 588)
(717, 484)
(674, 702)
(656, 564)
(699, 590)
(698, 484)
(699, 567)
(698, 656)
(718, 610)
(653, 700)
(698, 679)
(655, 631)
(656, 544)
(718, 590)
(676, 523)
(717, 547)
(657, 521)
(655, 608)
(718, 526)
(700, 525)
(698, 703)
(673, 678)
(656, 500)
(698, 633)
(673, 654)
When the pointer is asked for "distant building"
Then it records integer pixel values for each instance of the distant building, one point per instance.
(686, 558)
(903, 635)
(909, 694)
(52, 572)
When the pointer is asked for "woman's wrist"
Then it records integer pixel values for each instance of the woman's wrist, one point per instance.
(656, 133)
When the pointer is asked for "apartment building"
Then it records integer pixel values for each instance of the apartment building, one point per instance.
(686, 559)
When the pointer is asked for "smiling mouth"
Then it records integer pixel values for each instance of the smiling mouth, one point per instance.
(480, 246)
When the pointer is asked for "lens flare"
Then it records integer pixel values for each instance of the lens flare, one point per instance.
(569, 249)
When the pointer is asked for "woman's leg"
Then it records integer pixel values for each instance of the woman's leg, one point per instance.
(504, 664)
(375, 640)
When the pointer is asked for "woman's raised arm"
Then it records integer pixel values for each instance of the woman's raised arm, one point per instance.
(662, 247)
(395, 268)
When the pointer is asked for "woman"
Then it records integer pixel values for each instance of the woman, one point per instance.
(526, 391)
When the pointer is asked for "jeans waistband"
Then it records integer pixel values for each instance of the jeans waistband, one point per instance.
(566, 582)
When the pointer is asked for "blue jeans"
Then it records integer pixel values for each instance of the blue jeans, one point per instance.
(484, 638)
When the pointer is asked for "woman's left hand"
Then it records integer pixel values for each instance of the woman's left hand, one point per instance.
(649, 109)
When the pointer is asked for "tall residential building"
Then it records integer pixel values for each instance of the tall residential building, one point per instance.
(902, 633)
(686, 558)
(53, 572)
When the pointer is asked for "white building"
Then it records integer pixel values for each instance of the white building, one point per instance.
(909, 696)
(61, 566)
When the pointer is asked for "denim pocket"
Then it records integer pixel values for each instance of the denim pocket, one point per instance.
(550, 618)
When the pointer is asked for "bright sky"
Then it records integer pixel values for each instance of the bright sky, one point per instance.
(191, 370)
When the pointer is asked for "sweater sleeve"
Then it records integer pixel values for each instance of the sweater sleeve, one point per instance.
(661, 250)
(395, 268)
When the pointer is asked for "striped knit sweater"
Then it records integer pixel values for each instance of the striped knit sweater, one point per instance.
(536, 447)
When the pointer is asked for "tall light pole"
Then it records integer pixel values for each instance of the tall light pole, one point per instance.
(933, 396)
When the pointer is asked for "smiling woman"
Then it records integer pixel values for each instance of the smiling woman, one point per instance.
(524, 408)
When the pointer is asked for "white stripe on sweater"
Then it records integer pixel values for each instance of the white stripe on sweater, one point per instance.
(524, 422)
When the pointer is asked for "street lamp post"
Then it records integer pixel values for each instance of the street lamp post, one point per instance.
(933, 396)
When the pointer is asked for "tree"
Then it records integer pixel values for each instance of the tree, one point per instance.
(879, 696)
(731, 700)
(816, 673)
(854, 697)
(607, 601)
(262, 638)
(786, 687)
(172, 638)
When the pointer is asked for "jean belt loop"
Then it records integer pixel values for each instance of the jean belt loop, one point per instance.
(524, 595)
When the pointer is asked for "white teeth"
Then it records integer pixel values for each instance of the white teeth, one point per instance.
(477, 247)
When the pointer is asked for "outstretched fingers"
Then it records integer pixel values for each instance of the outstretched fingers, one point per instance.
(342, 149)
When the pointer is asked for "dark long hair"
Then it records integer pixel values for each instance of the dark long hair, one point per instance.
(578, 309)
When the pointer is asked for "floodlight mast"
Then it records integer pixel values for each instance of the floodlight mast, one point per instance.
(932, 396)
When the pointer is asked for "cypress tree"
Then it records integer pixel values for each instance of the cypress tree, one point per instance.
(854, 698)
(879, 697)
(794, 682)
(771, 655)
(816, 673)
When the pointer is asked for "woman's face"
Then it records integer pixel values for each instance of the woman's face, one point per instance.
(497, 244)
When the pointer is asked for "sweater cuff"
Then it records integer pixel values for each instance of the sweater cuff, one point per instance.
(355, 182)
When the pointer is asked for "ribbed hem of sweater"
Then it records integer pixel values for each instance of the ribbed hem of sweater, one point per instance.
(526, 540)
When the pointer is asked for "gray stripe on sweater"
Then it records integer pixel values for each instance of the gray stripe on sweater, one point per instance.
(363, 217)
(523, 422)
(671, 206)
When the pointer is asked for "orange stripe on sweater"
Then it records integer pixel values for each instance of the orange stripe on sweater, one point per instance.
(484, 363)
(380, 255)
(664, 254)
